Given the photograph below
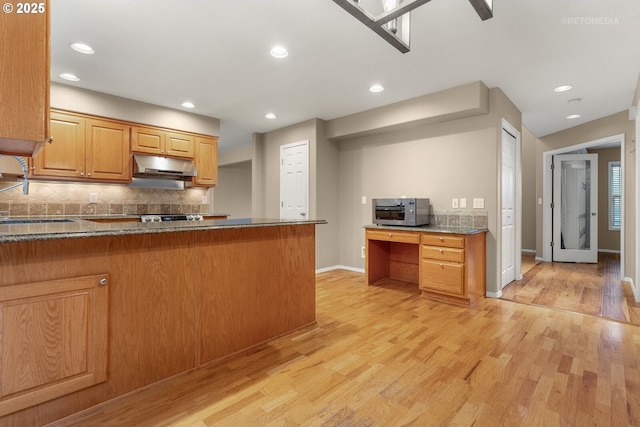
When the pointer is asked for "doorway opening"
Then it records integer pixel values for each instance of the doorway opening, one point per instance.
(615, 141)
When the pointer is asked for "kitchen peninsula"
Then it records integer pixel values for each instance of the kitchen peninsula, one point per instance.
(91, 311)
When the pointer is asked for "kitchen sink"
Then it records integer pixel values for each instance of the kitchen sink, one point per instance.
(14, 221)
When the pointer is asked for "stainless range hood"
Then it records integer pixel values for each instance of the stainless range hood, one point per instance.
(162, 167)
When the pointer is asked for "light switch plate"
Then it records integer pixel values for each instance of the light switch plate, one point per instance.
(93, 197)
(463, 203)
(364, 200)
(478, 203)
(454, 203)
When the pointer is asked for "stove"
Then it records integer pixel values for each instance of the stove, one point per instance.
(163, 218)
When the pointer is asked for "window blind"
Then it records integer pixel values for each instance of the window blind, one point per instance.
(615, 195)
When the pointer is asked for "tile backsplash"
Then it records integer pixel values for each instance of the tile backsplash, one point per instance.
(70, 199)
(459, 218)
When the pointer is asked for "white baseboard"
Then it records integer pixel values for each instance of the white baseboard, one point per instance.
(339, 267)
(608, 251)
(494, 294)
(636, 291)
(528, 251)
(539, 258)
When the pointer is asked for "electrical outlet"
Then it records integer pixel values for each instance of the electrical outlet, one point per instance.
(204, 200)
(362, 251)
(463, 203)
(478, 203)
(93, 197)
(454, 203)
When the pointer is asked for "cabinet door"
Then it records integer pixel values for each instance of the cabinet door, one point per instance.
(24, 80)
(443, 277)
(179, 145)
(64, 157)
(147, 140)
(54, 339)
(108, 151)
(206, 161)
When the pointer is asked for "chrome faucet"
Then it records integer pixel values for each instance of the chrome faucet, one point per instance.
(25, 182)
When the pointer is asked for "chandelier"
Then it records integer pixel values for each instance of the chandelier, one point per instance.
(390, 19)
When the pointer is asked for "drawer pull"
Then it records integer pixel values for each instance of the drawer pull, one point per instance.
(442, 239)
(390, 235)
(441, 266)
(441, 251)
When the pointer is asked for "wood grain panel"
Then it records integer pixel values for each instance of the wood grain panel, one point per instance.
(24, 81)
(253, 285)
(443, 277)
(394, 236)
(54, 339)
(443, 239)
(153, 313)
(443, 254)
(377, 260)
(24, 262)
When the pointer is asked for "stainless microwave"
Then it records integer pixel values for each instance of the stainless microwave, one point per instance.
(409, 212)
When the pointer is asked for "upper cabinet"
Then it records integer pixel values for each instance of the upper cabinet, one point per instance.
(206, 160)
(160, 142)
(85, 148)
(24, 77)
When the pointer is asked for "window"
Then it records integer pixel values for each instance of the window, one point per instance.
(615, 195)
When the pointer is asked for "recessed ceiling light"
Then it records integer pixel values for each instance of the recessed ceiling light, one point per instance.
(376, 88)
(270, 116)
(82, 48)
(188, 104)
(563, 88)
(573, 116)
(279, 52)
(70, 77)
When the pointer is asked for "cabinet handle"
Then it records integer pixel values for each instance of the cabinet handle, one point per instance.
(441, 239)
(89, 174)
(390, 235)
(441, 251)
(81, 173)
(49, 140)
(441, 266)
(102, 281)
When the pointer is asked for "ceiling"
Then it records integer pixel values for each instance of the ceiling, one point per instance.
(216, 54)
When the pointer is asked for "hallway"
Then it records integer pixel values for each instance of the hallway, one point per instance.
(593, 289)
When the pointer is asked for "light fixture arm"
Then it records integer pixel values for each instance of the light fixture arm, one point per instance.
(484, 8)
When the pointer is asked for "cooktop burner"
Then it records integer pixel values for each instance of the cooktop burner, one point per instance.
(162, 218)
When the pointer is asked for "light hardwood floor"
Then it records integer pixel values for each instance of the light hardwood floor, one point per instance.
(385, 356)
(594, 289)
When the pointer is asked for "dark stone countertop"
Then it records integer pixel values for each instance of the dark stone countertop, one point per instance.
(69, 228)
(428, 229)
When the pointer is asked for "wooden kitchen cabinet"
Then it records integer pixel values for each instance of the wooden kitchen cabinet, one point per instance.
(85, 148)
(149, 140)
(24, 79)
(447, 267)
(206, 161)
(65, 157)
(452, 267)
(108, 152)
(54, 339)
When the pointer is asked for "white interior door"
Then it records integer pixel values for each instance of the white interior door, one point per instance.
(575, 208)
(294, 180)
(508, 265)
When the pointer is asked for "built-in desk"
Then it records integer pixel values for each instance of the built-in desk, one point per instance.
(448, 264)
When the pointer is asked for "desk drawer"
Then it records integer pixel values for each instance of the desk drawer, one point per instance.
(443, 277)
(443, 254)
(394, 236)
(443, 240)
